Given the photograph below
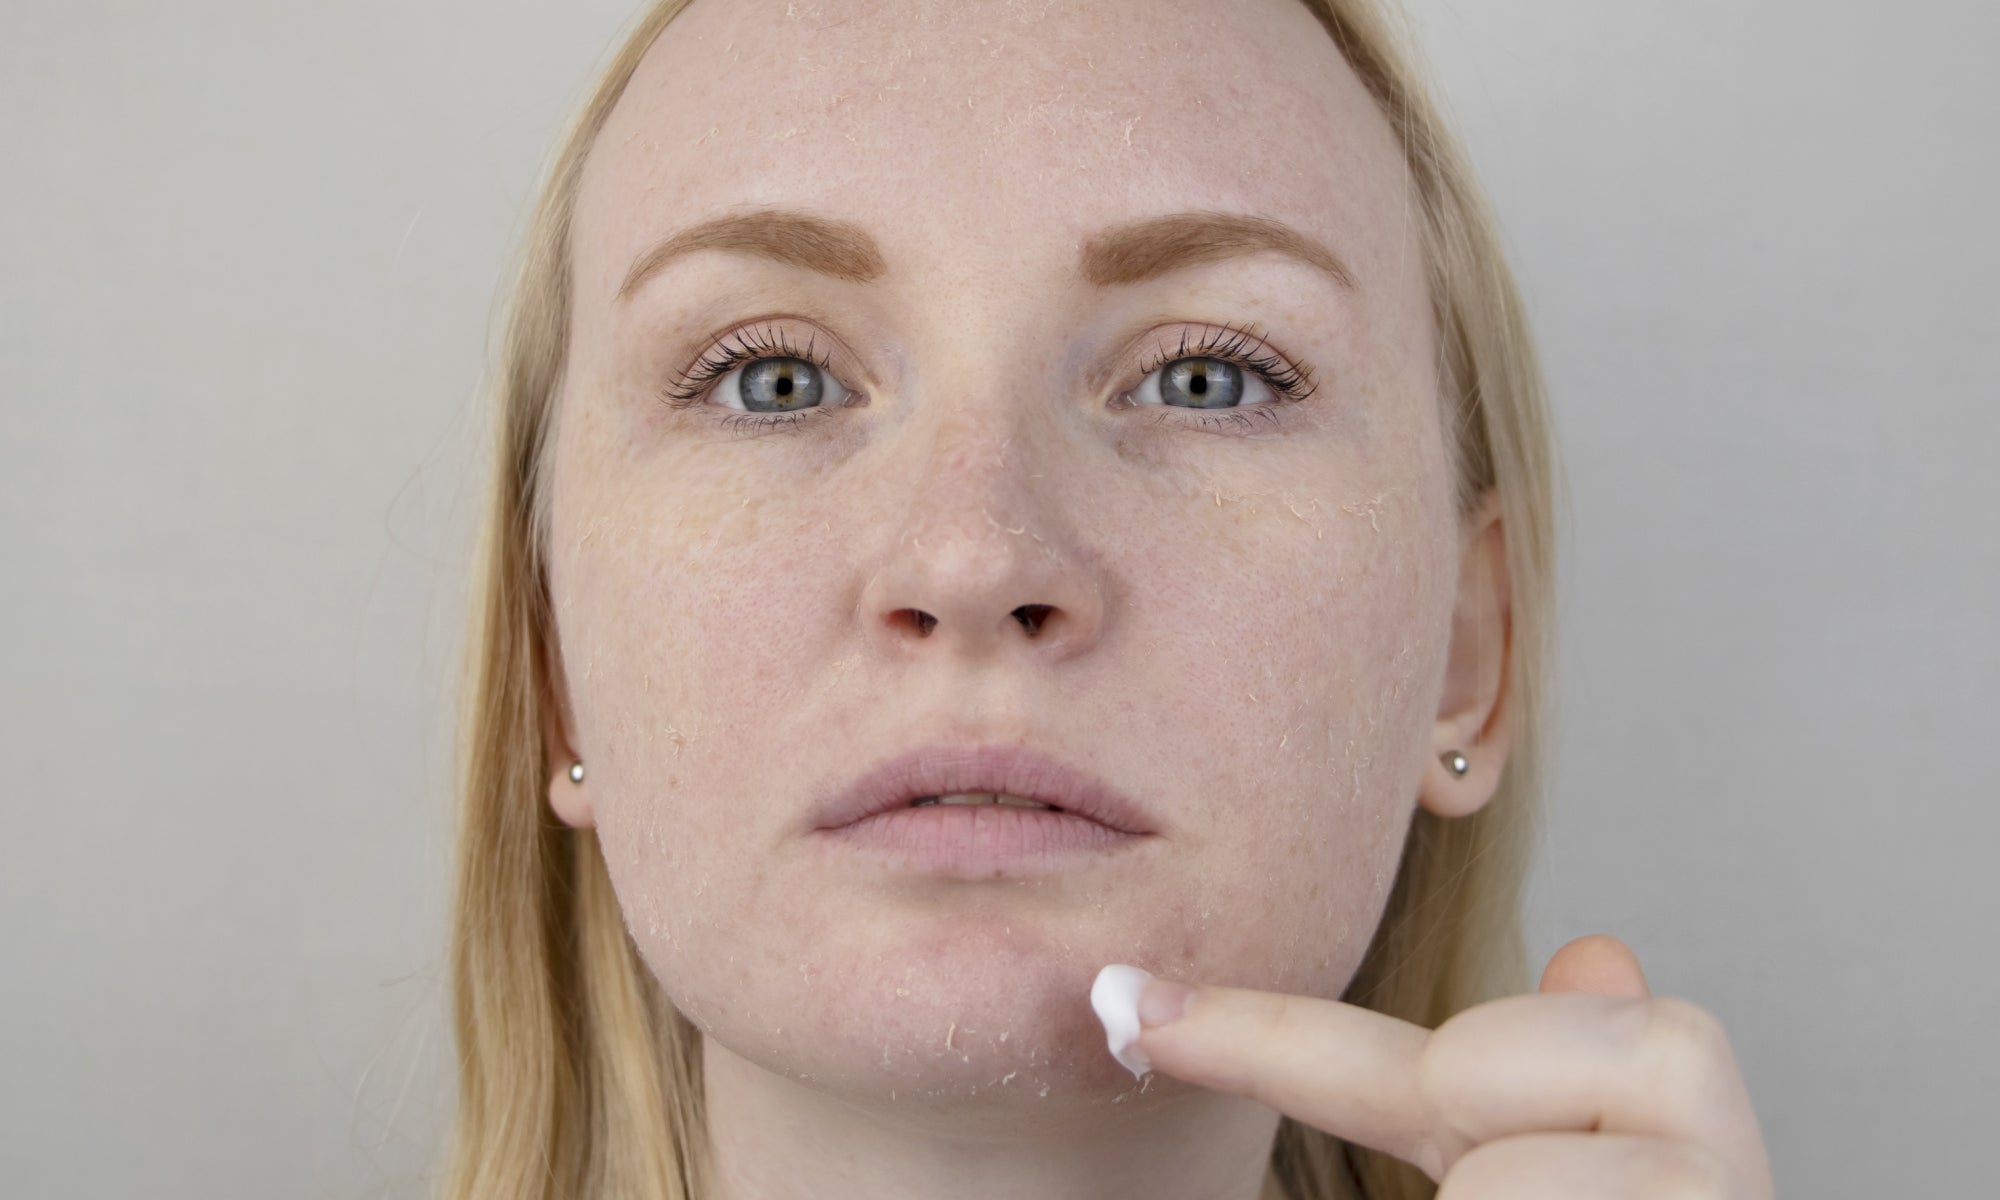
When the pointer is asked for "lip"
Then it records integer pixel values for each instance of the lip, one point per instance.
(977, 841)
(945, 768)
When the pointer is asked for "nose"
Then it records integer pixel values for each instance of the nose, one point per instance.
(984, 562)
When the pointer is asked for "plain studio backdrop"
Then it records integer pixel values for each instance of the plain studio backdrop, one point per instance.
(248, 253)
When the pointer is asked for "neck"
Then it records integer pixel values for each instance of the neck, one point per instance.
(773, 1138)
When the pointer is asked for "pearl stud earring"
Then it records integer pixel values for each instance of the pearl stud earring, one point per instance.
(1456, 763)
(576, 772)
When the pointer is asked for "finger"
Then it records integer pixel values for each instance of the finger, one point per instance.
(1596, 963)
(1338, 1067)
(1520, 1064)
(1573, 1166)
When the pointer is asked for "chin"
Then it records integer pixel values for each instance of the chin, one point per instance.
(890, 1029)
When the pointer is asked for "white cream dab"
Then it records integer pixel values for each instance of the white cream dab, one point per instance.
(1115, 997)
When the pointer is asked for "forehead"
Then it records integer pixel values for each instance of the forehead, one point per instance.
(994, 130)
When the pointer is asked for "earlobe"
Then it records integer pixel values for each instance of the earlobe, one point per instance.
(1473, 727)
(568, 796)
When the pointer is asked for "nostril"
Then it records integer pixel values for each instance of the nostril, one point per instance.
(1031, 616)
(923, 621)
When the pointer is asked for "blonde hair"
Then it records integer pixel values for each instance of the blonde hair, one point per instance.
(579, 1079)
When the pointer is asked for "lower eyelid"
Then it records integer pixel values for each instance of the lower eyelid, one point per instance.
(1244, 417)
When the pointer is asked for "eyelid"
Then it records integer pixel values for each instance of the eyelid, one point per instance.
(1246, 346)
(763, 337)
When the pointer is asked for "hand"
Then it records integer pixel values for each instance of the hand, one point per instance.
(1592, 1087)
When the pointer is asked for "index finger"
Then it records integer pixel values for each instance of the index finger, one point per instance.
(1543, 1063)
(1348, 1070)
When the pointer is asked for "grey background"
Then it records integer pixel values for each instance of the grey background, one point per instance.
(247, 258)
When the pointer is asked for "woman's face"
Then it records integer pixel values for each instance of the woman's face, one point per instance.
(1249, 604)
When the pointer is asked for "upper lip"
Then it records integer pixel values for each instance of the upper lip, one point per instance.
(942, 769)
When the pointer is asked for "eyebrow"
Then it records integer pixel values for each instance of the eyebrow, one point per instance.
(1125, 254)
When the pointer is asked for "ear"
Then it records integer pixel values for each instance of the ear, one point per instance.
(1473, 713)
(570, 800)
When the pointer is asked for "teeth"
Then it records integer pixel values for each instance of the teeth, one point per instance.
(981, 798)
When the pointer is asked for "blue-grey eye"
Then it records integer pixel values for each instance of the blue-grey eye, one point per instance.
(1201, 383)
(779, 385)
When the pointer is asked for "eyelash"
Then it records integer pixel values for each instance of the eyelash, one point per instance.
(1225, 343)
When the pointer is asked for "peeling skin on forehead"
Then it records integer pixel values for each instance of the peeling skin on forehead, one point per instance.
(1251, 629)
(1140, 112)
(932, 66)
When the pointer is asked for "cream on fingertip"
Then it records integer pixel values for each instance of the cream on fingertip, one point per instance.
(1115, 998)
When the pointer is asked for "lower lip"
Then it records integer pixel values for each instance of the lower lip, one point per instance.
(980, 841)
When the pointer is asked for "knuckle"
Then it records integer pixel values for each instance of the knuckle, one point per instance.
(1274, 1014)
(1682, 1049)
(1447, 1046)
(1280, 1011)
(1440, 1070)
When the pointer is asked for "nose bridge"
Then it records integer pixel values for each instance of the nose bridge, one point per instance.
(979, 518)
(981, 427)
(980, 554)
(978, 449)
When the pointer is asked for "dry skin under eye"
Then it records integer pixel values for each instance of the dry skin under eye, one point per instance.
(1223, 343)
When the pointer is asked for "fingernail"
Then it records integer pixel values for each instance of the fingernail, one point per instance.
(1163, 1002)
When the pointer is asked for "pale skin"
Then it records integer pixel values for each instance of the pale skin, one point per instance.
(1266, 633)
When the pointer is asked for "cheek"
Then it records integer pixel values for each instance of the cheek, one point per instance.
(677, 616)
(692, 605)
(1316, 703)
